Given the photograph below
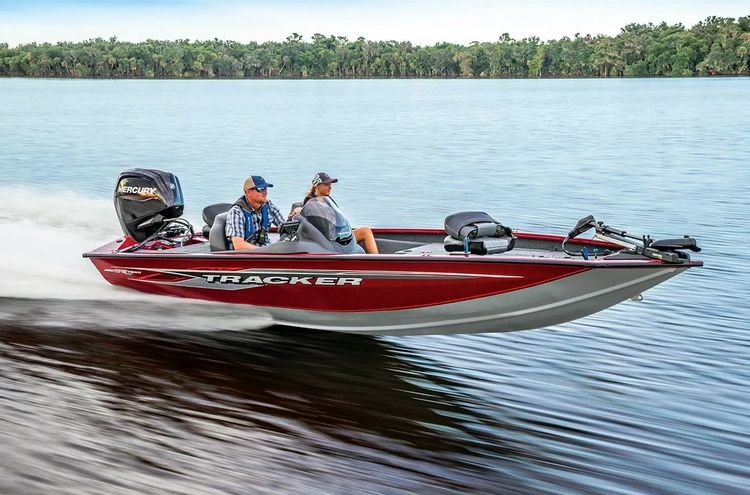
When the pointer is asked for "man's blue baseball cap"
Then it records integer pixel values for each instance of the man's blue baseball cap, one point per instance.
(255, 182)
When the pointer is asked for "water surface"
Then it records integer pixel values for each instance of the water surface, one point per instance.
(107, 391)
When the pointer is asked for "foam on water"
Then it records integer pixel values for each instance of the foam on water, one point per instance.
(154, 313)
(44, 234)
(46, 282)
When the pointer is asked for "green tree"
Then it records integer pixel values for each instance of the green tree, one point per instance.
(714, 46)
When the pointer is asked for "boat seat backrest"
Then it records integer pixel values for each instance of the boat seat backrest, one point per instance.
(217, 238)
(473, 224)
(478, 233)
(209, 214)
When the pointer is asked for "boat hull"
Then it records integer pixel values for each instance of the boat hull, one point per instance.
(390, 295)
(552, 303)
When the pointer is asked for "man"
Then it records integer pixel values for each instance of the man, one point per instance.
(252, 215)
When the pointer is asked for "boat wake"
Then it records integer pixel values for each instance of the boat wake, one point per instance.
(158, 314)
(46, 283)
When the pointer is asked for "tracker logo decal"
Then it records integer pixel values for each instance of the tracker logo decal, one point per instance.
(249, 279)
(244, 279)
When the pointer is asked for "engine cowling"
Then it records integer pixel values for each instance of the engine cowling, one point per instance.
(145, 199)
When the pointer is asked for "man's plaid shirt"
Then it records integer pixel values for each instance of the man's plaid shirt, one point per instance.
(235, 226)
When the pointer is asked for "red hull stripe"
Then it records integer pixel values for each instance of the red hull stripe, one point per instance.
(319, 285)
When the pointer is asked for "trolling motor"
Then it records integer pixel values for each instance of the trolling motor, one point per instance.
(149, 203)
(669, 250)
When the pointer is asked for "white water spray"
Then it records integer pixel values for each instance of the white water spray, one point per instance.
(44, 280)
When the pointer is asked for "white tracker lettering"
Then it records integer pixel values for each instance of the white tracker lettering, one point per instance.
(215, 278)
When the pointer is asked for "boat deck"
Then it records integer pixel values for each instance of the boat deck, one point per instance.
(438, 249)
(523, 248)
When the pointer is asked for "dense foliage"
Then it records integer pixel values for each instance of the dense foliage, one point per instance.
(716, 46)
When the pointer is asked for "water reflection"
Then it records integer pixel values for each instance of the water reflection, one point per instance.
(296, 394)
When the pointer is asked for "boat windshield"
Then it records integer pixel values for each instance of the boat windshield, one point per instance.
(323, 213)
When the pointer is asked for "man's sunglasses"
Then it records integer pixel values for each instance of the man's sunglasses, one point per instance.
(259, 189)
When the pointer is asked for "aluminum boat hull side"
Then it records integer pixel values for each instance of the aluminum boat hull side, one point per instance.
(540, 306)
(393, 295)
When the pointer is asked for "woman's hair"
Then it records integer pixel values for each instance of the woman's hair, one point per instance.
(310, 194)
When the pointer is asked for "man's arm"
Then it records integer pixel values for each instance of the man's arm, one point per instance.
(296, 208)
(240, 243)
(276, 217)
(235, 229)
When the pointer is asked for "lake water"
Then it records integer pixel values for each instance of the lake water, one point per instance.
(107, 391)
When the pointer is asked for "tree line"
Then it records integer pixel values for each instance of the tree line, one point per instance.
(715, 46)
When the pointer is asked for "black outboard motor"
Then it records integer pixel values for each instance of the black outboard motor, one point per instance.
(145, 199)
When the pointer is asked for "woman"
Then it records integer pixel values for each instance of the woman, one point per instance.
(321, 186)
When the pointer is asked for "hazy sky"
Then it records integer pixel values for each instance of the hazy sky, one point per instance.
(419, 21)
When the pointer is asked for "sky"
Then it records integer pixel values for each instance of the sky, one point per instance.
(422, 22)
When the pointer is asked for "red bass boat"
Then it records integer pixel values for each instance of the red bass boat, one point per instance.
(475, 275)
